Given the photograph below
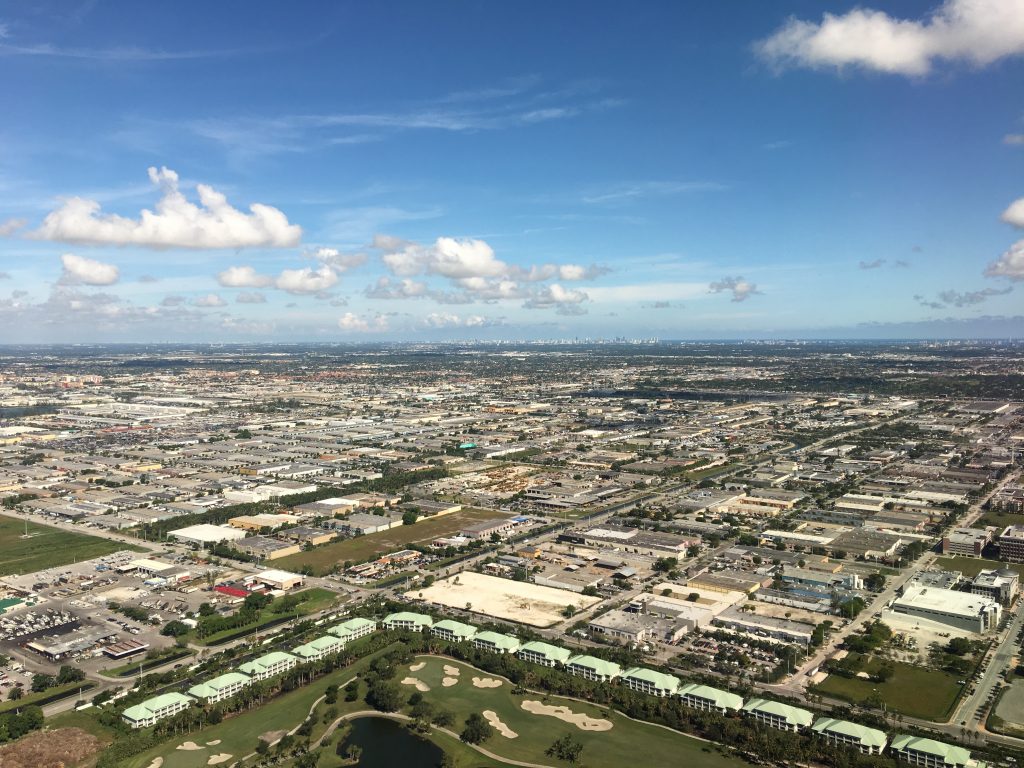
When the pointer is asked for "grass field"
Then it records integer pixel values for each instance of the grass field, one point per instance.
(60, 691)
(613, 748)
(47, 547)
(315, 599)
(971, 566)
(912, 691)
(998, 519)
(363, 548)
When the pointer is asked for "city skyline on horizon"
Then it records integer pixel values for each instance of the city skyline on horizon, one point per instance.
(670, 171)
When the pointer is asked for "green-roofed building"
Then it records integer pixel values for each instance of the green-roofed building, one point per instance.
(593, 668)
(320, 648)
(158, 708)
(650, 682)
(353, 629)
(453, 631)
(544, 654)
(870, 741)
(220, 688)
(708, 699)
(929, 753)
(495, 642)
(775, 714)
(406, 620)
(269, 665)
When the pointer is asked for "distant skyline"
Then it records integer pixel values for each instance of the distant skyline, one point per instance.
(338, 171)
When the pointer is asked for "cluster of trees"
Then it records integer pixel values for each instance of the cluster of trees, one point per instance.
(14, 725)
(66, 674)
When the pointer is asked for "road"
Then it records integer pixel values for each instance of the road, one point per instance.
(998, 661)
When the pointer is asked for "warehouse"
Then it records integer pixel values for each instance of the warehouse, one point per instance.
(275, 579)
(203, 535)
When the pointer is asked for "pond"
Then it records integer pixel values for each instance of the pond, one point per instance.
(387, 743)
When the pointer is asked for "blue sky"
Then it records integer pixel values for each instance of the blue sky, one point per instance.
(377, 171)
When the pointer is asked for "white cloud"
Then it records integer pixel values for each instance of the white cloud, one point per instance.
(741, 289)
(173, 301)
(208, 301)
(243, 277)
(250, 297)
(307, 280)
(1014, 214)
(79, 270)
(978, 32)
(1014, 139)
(177, 222)
(386, 288)
(565, 300)
(448, 320)
(352, 322)
(1010, 265)
(11, 226)
(337, 260)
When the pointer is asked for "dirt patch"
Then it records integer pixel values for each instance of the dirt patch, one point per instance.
(51, 749)
(190, 746)
(223, 757)
(448, 682)
(417, 666)
(452, 671)
(420, 685)
(495, 721)
(271, 736)
(581, 721)
(486, 682)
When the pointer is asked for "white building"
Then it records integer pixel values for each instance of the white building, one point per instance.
(960, 610)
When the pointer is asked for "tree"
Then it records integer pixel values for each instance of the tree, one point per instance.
(958, 646)
(875, 582)
(409, 517)
(15, 693)
(174, 628)
(477, 730)
(385, 696)
(567, 748)
(569, 611)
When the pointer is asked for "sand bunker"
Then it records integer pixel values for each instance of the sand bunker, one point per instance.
(448, 682)
(189, 746)
(452, 671)
(581, 721)
(486, 682)
(213, 743)
(223, 757)
(157, 762)
(417, 667)
(420, 685)
(500, 727)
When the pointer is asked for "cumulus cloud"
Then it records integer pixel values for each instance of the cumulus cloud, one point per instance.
(176, 222)
(875, 264)
(1014, 214)
(741, 289)
(9, 227)
(243, 277)
(307, 280)
(978, 32)
(363, 324)
(565, 301)
(79, 270)
(209, 301)
(386, 288)
(250, 297)
(1010, 265)
(337, 260)
(448, 320)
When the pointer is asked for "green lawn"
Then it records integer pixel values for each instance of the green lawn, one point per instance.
(998, 519)
(47, 547)
(317, 599)
(601, 749)
(362, 548)
(913, 691)
(238, 735)
(972, 566)
(30, 697)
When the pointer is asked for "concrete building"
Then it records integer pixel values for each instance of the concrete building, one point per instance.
(483, 530)
(266, 548)
(544, 654)
(220, 688)
(650, 682)
(269, 665)
(319, 648)
(406, 620)
(353, 629)
(275, 579)
(966, 542)
(1001, 586)
(960, 610)
(453, 631)
(928, 753)
(1011, 544)
(495, 642)
(158, 708)
(203, 535)
(868, 741)
(634, 628)
(592, 668)
(708, 699)
(775, 714)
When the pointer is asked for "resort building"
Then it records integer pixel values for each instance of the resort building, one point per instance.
(929, 753)
(869, 741)
(406, 620)
(592, 668)
(708, 699)
(269, 665)
(453, 631)
(650, 682)
(353, 629)
(220, 688)
(544, 654)
(775, 714)
(495, 642)
(320, 648)
(158, 708)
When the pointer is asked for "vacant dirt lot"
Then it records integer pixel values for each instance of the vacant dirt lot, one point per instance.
(50, 749)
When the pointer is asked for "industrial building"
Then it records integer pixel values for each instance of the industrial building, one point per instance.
(205, 534)
(960, 610)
